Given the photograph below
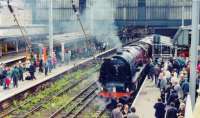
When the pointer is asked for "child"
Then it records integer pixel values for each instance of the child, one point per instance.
(8, 81)
(27, 76)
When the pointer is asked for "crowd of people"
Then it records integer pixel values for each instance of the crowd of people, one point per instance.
(123, 111)
(172, 78)
(11, 75)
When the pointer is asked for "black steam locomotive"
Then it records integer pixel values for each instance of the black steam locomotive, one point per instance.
(117, 72)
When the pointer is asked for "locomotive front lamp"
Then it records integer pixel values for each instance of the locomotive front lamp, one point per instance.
(127, 90)
(114, 90)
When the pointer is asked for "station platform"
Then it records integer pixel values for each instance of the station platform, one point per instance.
(146, 98)
(12, 58)
(27, 84)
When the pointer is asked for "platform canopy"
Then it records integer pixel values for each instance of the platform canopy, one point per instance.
(14, 31)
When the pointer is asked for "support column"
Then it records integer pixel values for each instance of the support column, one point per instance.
(193, 49)
(6, 48)
(92, 17)
(51, 28)
(183, 11)
(124, 13)
(17, 46)
(142, 9)
(175, 51)
(62, 52)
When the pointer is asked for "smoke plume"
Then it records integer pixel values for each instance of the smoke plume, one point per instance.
(99, 19)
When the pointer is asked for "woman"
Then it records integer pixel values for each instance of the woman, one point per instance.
(181, 111)
(125, 111)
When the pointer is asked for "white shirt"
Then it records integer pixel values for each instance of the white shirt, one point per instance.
(167, 74)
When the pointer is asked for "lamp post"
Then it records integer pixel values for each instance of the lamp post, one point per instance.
(193, 49)
(51, 28)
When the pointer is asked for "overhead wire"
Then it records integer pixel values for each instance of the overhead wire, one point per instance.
(26, 38)
(79, 20)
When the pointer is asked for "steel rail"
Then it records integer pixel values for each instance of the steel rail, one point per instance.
(80, 108)
(74, 99)
(37, 107)
(43, 101)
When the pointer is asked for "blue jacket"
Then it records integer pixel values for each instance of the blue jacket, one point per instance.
(185, 87)
(171, 113)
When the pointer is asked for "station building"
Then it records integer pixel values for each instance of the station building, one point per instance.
(152, 13)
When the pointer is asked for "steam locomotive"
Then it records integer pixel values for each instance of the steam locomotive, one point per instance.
(117, 72)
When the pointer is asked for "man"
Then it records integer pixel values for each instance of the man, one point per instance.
(15, 75)
(21, 71)
(178, 89)
(116, 113)
(168, 75)
(41, 66)
(132, 114)
(185, 87)
(32, 71)
(151, 71)
(172, 97)
(157, 72)
(4, 76)
(1, 74)
(160, 109)
(163, 81)
(49, 63)
(45, 69)
(172, 111)
(168, 90)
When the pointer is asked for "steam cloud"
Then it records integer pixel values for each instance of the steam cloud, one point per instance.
(99, 18)
(102, 21)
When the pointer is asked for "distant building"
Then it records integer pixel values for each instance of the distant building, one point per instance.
(155, 13)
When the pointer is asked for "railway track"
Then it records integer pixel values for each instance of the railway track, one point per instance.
(94, 109)
(79, 104)
(53, 105)
(39, 105)
(36, 107)
(72, 108)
